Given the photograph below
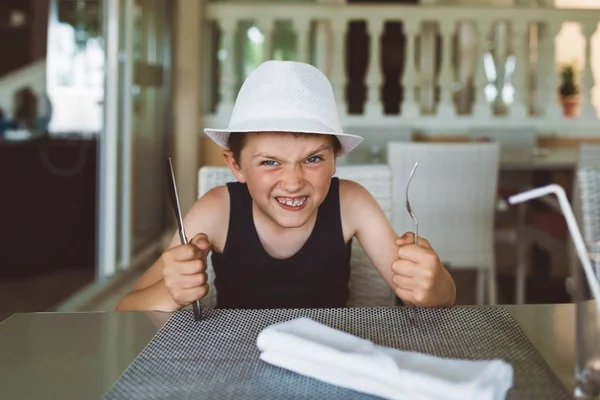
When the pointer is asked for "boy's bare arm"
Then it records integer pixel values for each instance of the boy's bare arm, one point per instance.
(206, 216)
(363, 217)
(413, 271)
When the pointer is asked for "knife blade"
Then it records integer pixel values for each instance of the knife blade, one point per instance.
(174, 199)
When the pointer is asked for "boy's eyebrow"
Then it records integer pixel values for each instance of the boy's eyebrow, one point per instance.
(317, 150)
(321, 148)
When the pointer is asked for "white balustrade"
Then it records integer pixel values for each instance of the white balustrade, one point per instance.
(266, 26)
(228, 27)
(338, 70)
(588, 111)
(321, 35)
(549, 86)
(374, 106)
(520, 40)
(481, 109)
(302, 28)
(409, 78)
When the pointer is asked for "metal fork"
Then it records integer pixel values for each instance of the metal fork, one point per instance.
(408, 208)
(416, 222)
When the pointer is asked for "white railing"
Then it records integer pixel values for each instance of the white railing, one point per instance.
(32, 76)
(506, 71)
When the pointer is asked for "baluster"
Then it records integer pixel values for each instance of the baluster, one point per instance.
(500, 56)
(227, 84)
(588, 112)
(338, 72)
(209, 50)
(519, 108)
(374, 106)
(266, 26)
(302, 28)
(446, 107)
(427, 67)
(410, 83)
(481, 107)
(548, 87)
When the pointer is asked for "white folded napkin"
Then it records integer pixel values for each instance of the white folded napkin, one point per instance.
(329, 355)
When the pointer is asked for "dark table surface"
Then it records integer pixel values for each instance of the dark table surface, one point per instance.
(81, 355)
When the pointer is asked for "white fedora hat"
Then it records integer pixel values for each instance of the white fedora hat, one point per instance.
(285, 96)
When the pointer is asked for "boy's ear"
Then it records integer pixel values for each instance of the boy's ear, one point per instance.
(233, 165)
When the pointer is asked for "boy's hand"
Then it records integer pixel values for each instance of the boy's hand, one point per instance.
(419, 275)
(184, 270)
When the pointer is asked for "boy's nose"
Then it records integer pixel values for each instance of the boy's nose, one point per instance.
(292, 180)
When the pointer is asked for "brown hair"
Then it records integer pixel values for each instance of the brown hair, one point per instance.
(237, 142)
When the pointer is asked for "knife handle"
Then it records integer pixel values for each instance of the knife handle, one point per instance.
(197, 310)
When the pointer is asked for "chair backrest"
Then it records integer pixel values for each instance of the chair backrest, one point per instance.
(452, 194)
(210, 177)
(588, 174)
(589, 183)
(588, 160)
(589, 155)
(367, 287)
(512, 138)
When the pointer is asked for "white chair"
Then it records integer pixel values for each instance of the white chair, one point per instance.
(589, 182)
(453, 196)
(210, 177)
(367, 287)
(586, 197)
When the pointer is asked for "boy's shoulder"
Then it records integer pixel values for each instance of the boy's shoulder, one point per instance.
(210, 213)
(349, 188)
(357, 206)
(354, 196)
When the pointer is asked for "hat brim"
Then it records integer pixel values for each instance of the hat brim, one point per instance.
(348, 141)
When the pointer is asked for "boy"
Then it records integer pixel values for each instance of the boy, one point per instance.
(280, 236)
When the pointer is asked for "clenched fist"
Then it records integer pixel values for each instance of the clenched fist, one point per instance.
(419, 275)
(184, 270)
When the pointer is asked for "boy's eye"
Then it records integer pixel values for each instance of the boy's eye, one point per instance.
(269, 163)
(314, 159)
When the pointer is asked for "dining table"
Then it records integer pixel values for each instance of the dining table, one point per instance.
(81, 355)
(510, 159)
(540, 159)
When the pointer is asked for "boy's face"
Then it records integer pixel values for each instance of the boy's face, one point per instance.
(288, 176)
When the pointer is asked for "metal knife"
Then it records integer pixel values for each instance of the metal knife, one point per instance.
(174, 198)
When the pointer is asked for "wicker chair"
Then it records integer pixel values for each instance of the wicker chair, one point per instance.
(367, 287)
(589, 184)
(453, 196)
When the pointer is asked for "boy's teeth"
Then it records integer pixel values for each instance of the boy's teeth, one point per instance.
(292, 203)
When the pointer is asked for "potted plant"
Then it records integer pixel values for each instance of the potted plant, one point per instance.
(569, 90)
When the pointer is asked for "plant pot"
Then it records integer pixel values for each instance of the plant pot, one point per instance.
(570, 105)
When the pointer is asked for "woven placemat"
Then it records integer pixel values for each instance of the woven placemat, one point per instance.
(217, 358)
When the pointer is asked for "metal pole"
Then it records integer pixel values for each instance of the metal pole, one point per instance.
(108, 147)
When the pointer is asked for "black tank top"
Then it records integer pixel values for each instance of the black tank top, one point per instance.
(317, 276)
